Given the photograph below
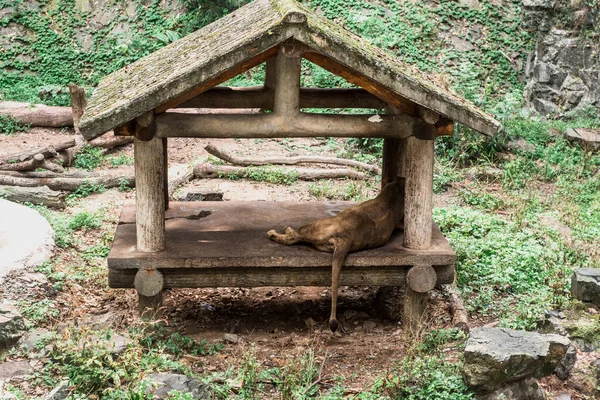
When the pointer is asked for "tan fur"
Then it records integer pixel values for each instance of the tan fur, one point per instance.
(367, 225)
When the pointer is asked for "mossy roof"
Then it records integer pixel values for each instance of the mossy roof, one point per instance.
(251, 30)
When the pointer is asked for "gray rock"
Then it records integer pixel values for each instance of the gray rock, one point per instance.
(580, 327)
(495, 356)
(586, 137)
(564, 367)
(202, 196)
(12, 324)
(461, 44)
(231, 338)
(563, 396)
(13, 369)
(584, 377)
(545, 107)
(521, 145)
(60, 392)
(29, 340)
(117, 344)
(524, 389)
(163, 383)
(471, 3)
(26, 238)
(585, 285)
(539, 3)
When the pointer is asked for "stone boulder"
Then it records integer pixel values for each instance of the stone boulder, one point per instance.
(580, 326)
(496, 356)
(585, 285)
(524, 389)
(163, 383)
(12, 324)
(26, 238)
(586, 137)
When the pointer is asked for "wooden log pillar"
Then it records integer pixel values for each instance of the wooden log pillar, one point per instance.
(150, 166)
(418, 220)
(394, 155)
(418, 217)
(287, 83)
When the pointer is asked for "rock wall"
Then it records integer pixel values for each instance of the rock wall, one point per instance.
(563, 71)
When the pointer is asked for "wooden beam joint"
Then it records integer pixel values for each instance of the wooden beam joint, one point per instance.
(145, 126)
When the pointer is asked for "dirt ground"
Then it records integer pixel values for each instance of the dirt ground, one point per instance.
(278, 323)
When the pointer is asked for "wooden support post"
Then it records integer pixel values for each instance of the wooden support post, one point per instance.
(287, 84)
(415, 305)
(166, 173)
(150, 199)
(420, 279)
(418, 202)
(394, 155)
(270, 70)
(149, 284)
(418, 221)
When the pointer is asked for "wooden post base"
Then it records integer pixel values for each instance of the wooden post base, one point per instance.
(420, 279)
(149, 284)
(149, 306)
(415, 305)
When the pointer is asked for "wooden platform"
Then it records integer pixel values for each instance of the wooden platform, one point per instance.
(218, 244)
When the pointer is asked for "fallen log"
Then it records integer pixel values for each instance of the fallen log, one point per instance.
(179, 175)
(46, 151)
(53, 166)
(27, 165)
(68, 184)
(108, 141)
(206, 170)
(49, 174)
(39, 195)
(289, 160)
(37, 114)
(460, 318)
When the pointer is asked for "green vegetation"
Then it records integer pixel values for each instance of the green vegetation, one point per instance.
(89, 158)
(9, 125)
(269, 174)
(329, 190)
(84, 190)
(121, 159)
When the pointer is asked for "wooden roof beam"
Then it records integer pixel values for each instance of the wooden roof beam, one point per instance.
(262, 97)
(172, 124)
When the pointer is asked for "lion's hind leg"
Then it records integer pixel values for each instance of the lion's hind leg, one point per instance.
(289, 236)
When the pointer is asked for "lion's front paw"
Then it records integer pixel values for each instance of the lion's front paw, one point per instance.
(272, 233)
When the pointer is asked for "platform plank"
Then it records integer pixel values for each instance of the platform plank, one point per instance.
(234, 234)
(276, 276)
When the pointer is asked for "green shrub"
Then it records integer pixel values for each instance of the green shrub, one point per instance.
(89, 158)
(9, 125)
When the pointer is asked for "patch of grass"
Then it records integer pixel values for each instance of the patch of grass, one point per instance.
(481, 199)
(85, 221)
(330, 190)
(84, 190)
(268, 174)
(85, 358)
(426, 377)
(40, 311)
(505, 271)
(89, 158)
(121, 159)
(10, 126)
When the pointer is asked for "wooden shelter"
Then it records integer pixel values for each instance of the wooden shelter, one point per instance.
(211, 244)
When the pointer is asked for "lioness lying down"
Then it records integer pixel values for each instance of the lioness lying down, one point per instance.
(364, 226)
